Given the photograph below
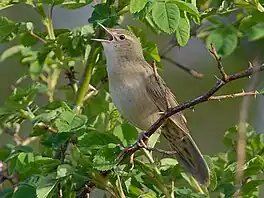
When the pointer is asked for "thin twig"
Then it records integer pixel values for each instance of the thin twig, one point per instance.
(46, 127)
(163, 56)
(37, 37)
(226, 79)
(200, 99)
(51, 10)
(93, 91)
(28, 140)
(60, 194)
(184, 68)
(236, 95)
(160, 150)
(219, 62)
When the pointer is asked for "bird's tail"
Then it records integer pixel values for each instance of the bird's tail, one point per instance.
(187, 153)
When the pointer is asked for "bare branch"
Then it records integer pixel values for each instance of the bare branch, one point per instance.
(184, 68)
(226, 79)
(37, 37)
(236, 95)
(200, 99)
(219, 62)
(163, 56)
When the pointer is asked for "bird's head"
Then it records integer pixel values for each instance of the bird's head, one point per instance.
(121, 43)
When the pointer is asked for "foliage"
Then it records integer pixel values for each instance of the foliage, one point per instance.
(79, 142)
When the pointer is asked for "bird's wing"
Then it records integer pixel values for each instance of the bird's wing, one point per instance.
(176, 131)
(164, 99)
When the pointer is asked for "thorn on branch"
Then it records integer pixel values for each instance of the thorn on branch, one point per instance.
(219, 63)
(189, 104)
(241, 94)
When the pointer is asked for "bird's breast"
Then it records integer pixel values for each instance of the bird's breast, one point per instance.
(129, 95)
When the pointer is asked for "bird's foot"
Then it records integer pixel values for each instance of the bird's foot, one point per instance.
(130, 150)
(142, 140)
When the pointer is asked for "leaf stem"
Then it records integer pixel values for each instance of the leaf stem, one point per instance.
(52, 81)
(198, 187)
(123, 11)
(55, 74)
(86, 77)
(163, 188)
(49, 27)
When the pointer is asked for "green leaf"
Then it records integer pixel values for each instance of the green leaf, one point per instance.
(254, 166)
(126, 133)
(186, 192)
(104, 14)
(187, 7)
(148, 195)
(248, 21)
(166, 15)
(8, 3)
(68, 121)
(35, 69)
(213, 176)
(11, 52)
(59, 104)
(21, 97)
(95, 139)
(7, 192)
(75, 4)
(251, 186)
(230, 137)
(45, 164)
(25, 27)
(167, 163)
(4, 153)
(45, 186)
(64, 170)
(183, 31)
(105, 158)
(256, 32)
(25, 190)
(8, 30)
(137, 6)
(224, 40)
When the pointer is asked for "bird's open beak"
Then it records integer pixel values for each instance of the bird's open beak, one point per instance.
(110, 35)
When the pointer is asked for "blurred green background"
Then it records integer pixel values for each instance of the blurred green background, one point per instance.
(209, 121)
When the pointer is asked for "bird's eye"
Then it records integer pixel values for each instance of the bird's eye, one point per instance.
(122, 37)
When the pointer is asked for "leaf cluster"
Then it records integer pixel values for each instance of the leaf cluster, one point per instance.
(78, 149)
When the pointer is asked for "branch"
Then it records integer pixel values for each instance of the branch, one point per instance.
(219, 62)
(184, 68)
(236, 95)
(200, 99)
(226, 79)
(85, 82)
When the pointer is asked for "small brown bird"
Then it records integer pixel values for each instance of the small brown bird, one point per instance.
(140, 94)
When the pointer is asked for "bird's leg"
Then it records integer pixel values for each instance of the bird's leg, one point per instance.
(142, 140)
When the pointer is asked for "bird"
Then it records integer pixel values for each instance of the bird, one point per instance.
(141, 96)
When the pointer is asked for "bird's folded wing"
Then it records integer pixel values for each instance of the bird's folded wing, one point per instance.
(164, 99)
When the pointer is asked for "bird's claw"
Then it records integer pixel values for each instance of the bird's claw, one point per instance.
(142, 140)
